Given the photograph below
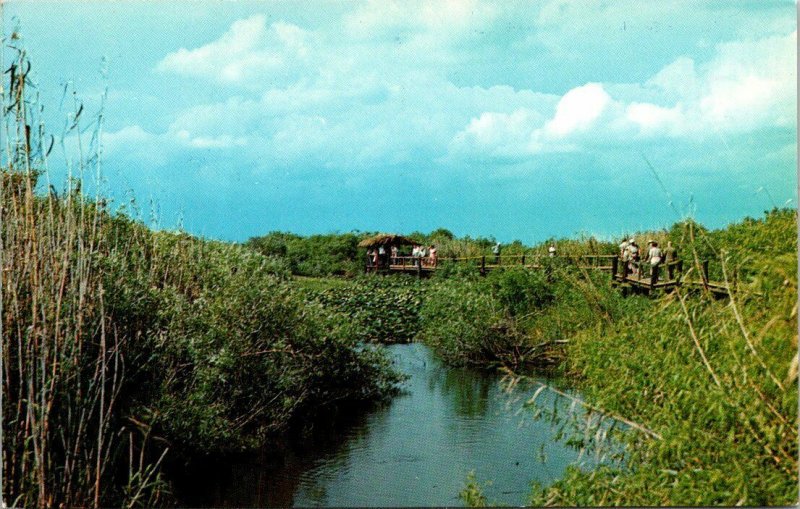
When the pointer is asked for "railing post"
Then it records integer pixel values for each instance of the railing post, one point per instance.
(523, 260)
(483, 265)
(614, 267)
(624, 270)
(705, 272)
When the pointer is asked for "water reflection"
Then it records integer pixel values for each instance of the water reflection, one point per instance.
(415, 451)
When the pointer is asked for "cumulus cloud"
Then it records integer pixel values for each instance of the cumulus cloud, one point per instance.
(746, 86)
(379, 88)
(248, 54)
(578, 110)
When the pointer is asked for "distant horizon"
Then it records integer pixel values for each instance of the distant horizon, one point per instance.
(517, 121)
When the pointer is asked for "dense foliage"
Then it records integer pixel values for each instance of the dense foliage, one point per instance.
(716, 379)
(515, 316)
(707, 386)
(125, 348)
(383, 309)
(315, 255)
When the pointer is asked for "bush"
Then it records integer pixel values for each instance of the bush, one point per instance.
(521, 291)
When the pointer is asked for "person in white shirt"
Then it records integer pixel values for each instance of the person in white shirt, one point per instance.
(633, 257)
(654, 256)
(623, 250)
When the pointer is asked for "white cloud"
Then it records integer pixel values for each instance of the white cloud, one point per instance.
(747, 85)
(578, 110)
(751, 84)
(652, 119)
(246, 55)
(501, 135)
(209, 142)
(135, 143)
(380, 90)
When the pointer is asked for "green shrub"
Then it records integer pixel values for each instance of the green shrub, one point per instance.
(521, 291)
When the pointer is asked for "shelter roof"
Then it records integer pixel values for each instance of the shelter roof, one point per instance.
(386, 239)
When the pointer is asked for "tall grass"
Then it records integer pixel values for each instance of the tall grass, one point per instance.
(717, 379)
(707, 385)
(124, 349)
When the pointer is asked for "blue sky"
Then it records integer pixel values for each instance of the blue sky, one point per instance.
(515, 119)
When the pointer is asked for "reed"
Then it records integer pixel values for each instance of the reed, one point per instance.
(124, 350)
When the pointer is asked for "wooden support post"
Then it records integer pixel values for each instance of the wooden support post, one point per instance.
(483, 265)
(419, 269)
(705, 272)
(624, 270)
(523, 260)
(614, 267)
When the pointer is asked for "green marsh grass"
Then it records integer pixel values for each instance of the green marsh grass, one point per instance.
(126, 351)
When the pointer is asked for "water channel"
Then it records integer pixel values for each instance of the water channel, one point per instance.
(415, 451)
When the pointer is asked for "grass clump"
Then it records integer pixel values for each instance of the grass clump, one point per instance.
(515, 316)
(124, 349)
(715, 379)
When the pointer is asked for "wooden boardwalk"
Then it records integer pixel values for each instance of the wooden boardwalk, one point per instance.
(667, 277)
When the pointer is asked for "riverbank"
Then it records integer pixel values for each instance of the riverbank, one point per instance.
(125, 350)
(712, 382)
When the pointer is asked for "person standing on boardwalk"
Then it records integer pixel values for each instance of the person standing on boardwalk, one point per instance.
(394, 255)
(625, 256)
(654, 256)
(551, 251)
(433, 255)
(670, 256)
(633, 257)
(370, 257)
(381, 255)
(496, 251)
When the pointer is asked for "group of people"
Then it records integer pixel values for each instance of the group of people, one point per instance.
(630, 254)
(427, 257)
(422, 256)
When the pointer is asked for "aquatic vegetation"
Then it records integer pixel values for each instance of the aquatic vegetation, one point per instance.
(381, 309)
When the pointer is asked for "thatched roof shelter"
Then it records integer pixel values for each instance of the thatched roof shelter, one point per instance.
(386, 239)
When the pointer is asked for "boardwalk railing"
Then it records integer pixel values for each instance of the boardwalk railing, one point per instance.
(638, 274)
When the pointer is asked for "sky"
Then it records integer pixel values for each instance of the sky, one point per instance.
(516, 120)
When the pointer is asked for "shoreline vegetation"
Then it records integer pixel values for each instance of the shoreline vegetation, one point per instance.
(127, 352)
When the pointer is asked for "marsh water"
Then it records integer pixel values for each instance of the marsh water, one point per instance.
(414, 451)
